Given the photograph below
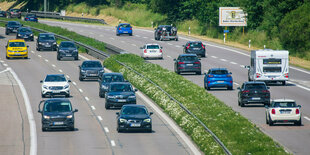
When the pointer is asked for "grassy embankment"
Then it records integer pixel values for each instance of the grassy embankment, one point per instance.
(238, 134)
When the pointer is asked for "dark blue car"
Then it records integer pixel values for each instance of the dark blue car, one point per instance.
(31, 17)
(24, 33)
(217, 78)
(123, 28)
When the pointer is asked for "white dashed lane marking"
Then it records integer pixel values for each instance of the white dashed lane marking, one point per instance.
(223, 60)
(5, 65)
(112, 38)
(106, 129)
(233, 63)
(68, 76)
(74, 83)
(133, 44)
(112, 142)
(86, 98)
(145, 37)
(168, 56)
(32, 51)
(60, 71)
(39, 56)
(100, 118)
(93, 107)
(137, 35)
(123, 41)
(169, 44)
(242, 66)
(2, 61)
(46, 60)
(81, 90)
(177, 46)
(53, 65)
(214, 57)
(236, 83)
(307, 118)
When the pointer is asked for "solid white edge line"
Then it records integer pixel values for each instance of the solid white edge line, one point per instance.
(300, 86)
(83, 57)
(106, 129)
(100, 118)
(112, 142)
(32, 123)
(172, 124)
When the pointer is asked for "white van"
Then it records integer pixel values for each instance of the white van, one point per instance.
(269, 66)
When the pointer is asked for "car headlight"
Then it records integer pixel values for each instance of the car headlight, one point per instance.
(19, 35)
(75, 51)
(122, 120)
(69, 116)
(104, 87)
(46, 117)
(66, 86)
(111, 97)
(40, 43)
(54, 43)
(148, 120)
(31, 35)
(101, 71)
(45, 87)
(83, 71)
(132, 96)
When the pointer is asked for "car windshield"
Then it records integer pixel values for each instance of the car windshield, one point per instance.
(120, 87)
(219, 72)
(195, 45)
(130, 110)
(47, 37)
(25, 30)
(152, 47)
(57, 106)
(30, 15)
(125, 26)
(13, 23)
(67, 44)
(17, 44)
(113, 78)
(55, 78)
(188, 58)
(255, 86)
(284, 104)
(90, 64)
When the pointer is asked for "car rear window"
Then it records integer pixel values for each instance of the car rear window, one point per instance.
(16, 44)
(152, 47)
(219, 72)
(125, 26)
(284, 104)
(57, 106)
(188, 58)
(255, 86)
(91, 64)
(113, 78)
(195, 45)
(271, 69)
(128, 110)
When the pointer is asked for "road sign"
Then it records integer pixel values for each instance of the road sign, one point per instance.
(226, 31)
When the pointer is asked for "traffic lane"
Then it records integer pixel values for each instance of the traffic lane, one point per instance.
(88, 138)
(14, 131)
(163, 139)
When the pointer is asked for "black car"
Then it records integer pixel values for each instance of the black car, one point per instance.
(106, 79)
(195, 47)
(14, 13)
(12, 27)
(24, 33)
(119, 94)
(134, 117)
(67, 49)
(2, 14)
(91, 69)
(253, 92)
(46, 41)
(57, 113)
(187, 63)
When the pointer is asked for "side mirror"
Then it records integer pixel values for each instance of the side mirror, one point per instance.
(39, 111)
(69, 80)
(174, 59)
(230, 72)
(161, 47)
(135, 90)
(151, 113)
(247, 67)
(299, 106)
(41, 81)
(239, 88)
(27, 46)
(75, 110)
(199, 59)
(79, 66)
(268, 87)
(117, 113)
(266, 106)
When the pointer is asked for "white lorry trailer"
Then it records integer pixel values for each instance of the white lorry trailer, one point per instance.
(269, 66)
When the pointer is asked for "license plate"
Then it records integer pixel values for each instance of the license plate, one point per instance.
(47, 45)
(153, 51)
(189, 64)
(220, 81)
(196, 48)
(68, 55)
(25, 36)
(255, 98)
(14, 30)
(16, 53)
(285, 112)
(58, 123)
(125, 32)
(92, 74)
(135, 125)
(56, 91)
(121, 100)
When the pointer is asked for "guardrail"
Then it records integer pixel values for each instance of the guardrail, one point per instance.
(57, 15)
(113, 49)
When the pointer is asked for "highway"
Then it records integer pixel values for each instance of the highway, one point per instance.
(295, 138)
(95, 131)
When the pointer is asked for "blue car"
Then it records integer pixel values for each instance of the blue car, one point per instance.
(123, 28)
(217, 78)
(31, 17)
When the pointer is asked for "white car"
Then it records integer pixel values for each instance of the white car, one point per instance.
(55, 84)
(283, 110)
(152, 51)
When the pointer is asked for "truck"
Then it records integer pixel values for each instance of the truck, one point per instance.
(269, 66)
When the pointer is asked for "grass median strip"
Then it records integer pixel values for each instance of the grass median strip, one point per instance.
(238, 134)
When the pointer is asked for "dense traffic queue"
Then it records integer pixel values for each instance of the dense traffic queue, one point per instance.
(58, 113)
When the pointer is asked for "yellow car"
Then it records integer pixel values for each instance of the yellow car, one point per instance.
(16, 48)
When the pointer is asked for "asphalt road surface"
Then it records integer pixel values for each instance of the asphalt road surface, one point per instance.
(295, 138)
(95, 131)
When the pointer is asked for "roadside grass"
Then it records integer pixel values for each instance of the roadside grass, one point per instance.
(238, 134)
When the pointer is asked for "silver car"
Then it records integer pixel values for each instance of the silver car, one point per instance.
(152, 51)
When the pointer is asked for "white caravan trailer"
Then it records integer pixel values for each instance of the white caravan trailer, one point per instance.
(269, 66)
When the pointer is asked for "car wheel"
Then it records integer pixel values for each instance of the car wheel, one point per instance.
(239, 103)
(284, 83)
(44, 129)
(242, 104)
(6, 33)
(72, 128)
(42, 95)
(176, 39)
(117, 34)
(107, 106)
(298, 122)
(199, 72)
(270, 122)
(267, 120)
(149, 130)
(130, 34)
(230, 88)
(118, 130)
(25, 57)
(38, 49)
(81, 79)
(7, 57)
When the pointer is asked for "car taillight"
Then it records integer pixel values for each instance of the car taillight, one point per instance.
(119, 28)
(197, 62)
(187, 47)
(297, 111)
(202, 46)
(180, 63)
(145, 51)
(257, 75)
(131, 28)
(210, 76)
(265, 91)
(27, 18)
(230, 81)
(161, 51)
(286, 75)
(273, 111)
(245, 91)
